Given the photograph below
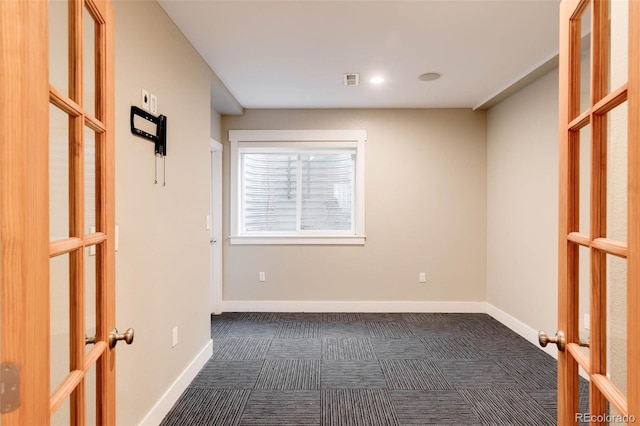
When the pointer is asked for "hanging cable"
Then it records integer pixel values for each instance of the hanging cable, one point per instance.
(155, 159)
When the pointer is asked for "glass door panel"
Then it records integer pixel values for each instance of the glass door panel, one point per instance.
(89, 66)
(59, 45)
(585, 181)
(59, 295)
(58, 173)
(90, 183)
(617, 149)
(617, 322)
(90, 265)
(583, 403)
(91, 400)
(584, 292)
(585, 59)
(62, 416)
(618, 43)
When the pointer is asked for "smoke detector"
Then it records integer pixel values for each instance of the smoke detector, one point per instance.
(352, 79)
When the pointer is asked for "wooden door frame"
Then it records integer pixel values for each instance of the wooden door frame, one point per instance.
(633, 279)
(25, 249)
(571, 118)
(567, 366)
(24, 171)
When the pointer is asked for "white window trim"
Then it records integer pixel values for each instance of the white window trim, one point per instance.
(311, 139)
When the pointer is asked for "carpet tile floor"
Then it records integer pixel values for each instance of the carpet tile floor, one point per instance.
(362, 369)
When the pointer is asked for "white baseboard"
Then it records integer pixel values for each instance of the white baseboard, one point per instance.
(526, 332)
(161, 408)
(521, 328)
(356, 306)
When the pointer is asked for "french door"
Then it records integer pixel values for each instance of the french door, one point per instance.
(57, 212)
(599, 221)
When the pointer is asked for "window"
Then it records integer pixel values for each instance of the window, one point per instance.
(297, 186)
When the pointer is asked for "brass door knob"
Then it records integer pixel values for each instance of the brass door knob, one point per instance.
(114, 336)
(559, 339)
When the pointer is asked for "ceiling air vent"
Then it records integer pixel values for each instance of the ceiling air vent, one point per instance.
(352, 79)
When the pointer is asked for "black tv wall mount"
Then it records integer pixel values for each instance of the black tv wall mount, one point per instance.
(159, 138)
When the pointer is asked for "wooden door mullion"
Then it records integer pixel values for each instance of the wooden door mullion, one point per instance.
(598, 267)
(598, 210)
(598, 263)
(76, 207)
(598, 206)
(77, 270)
(105, 208)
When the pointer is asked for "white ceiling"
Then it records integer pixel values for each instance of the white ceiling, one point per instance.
(293, 54)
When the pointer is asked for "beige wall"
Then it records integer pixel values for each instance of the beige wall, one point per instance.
(522, 204)
(425, 212)
(163, 258)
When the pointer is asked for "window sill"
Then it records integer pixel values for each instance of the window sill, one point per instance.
(301, 240)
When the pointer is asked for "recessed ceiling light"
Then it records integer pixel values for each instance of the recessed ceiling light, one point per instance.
(430, 76)
(377, 80)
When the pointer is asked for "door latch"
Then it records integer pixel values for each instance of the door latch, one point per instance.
(9, 387)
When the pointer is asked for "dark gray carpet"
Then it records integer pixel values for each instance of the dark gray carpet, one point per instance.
(361, 369)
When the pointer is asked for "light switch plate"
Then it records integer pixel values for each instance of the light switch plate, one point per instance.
(154, 104)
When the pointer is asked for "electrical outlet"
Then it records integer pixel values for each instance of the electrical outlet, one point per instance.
(174, 337)
(145, 100)
(423, 277)
(262, 277)
(154, 104)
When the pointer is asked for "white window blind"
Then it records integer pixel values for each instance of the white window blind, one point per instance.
(303, 189)
(269, 192)
(327, 192)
